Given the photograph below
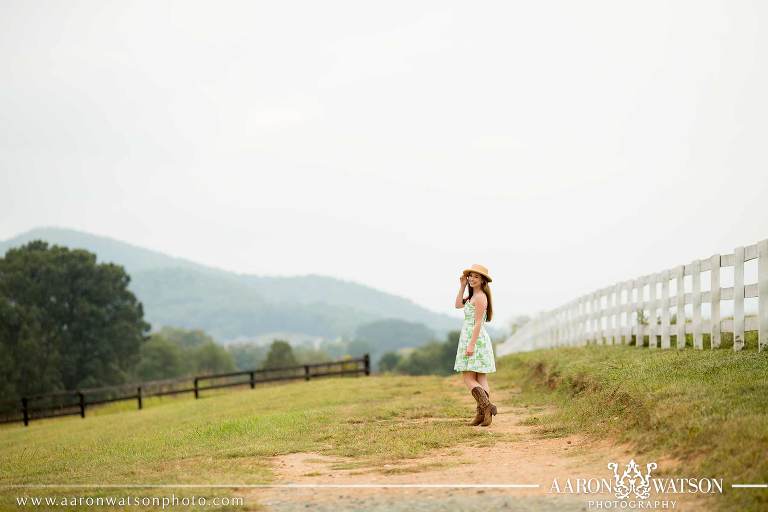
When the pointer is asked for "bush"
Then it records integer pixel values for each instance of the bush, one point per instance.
(280, 355)
(434, 358)
(389, 361)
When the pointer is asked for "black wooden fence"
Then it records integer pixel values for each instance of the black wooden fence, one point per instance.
(74, 402)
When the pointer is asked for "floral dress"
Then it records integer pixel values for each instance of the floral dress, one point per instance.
(481, 360)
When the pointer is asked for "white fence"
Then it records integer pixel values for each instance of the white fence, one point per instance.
(615, 314)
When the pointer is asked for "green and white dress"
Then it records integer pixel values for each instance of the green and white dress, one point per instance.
(481, 360)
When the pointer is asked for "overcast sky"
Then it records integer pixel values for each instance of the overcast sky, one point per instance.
(564, 145)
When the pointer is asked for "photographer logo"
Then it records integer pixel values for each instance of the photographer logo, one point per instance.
(633, 485)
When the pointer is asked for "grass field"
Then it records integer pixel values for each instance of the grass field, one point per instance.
(707, 408)
(226, 436)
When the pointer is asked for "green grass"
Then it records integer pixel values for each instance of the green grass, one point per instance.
(709, 408)
(726, 340)
(227, 436)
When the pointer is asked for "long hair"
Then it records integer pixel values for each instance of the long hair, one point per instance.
(487, 291)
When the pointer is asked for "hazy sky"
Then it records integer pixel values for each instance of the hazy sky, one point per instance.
(564, 145)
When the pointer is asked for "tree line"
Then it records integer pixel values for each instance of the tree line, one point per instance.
(434, 358)
(68, 322)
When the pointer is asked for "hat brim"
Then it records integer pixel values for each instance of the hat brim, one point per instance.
(487, 277)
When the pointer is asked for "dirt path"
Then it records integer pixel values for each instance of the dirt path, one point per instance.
(527, 459)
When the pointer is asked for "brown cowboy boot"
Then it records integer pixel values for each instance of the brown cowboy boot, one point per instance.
(493, 407)
(479, 415)
(485, 405)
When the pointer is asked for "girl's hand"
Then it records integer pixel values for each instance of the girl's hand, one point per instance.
(470, 349)
(463, 280)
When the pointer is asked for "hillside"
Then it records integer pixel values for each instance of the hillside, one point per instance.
(231, 306)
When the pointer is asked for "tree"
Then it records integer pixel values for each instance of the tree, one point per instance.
(174, 352)
(66, 322)
(280, 354)
(161, 359)
(212, 358)
(309, 355)
(389, 361)
(247, 356)
(425, 360)
(27, 363)
(433, 358)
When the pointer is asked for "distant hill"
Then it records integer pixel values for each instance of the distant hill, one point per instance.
(133, 258)
(231, 306)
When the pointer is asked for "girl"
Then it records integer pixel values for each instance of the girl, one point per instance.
(474, 356)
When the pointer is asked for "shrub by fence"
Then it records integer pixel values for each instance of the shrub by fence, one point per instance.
(75, 402)
(651, 310)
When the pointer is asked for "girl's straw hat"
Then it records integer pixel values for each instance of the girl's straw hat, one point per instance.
(479, 269)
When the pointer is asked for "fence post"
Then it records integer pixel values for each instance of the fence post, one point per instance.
(628, 313)
(652, 312)
(197, 391)
(593, 310)
(738, 298)
(25, 410)
(592, 337)
(599, 317)
(698, 340)
(639, 341)
(616, 290)
(714, 301)
(306, 372)
(253, 379)
(587, 319)
(138, 396)
(82, 404)
(573, 322)
(617, 314)
(665, 309)
(564, 325)
(680, 325)
(762, 294)
(367, 360)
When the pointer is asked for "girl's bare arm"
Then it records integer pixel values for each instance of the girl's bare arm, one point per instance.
(460, 295)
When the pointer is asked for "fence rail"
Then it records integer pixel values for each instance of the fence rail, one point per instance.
(75, 402)
(654, 307)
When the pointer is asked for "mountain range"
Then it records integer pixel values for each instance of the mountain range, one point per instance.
(232, 306)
